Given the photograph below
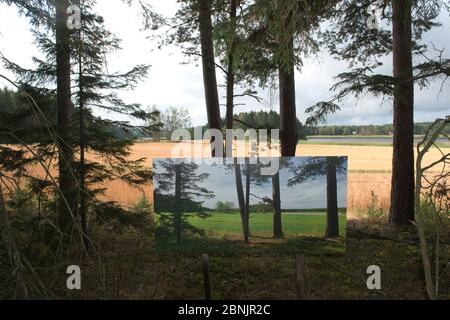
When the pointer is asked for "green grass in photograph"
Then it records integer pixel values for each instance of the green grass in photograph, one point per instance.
(303, 233)
(301, 224)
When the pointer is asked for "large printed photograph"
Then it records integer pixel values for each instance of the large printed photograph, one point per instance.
(232, 208)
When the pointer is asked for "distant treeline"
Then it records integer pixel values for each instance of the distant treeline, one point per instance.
(420, 128)
(259, 120)
(19, 115)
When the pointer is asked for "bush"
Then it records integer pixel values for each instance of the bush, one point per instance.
(225, 206)
(374, 211)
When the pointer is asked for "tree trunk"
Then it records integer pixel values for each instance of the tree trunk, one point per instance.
(240, 196)
(402, 185)
(288, 117)
(82, 165)
(276, 202)
(177, 202)
(332, 230)
(67, 181)
(247, 196)
(230, 70)
(209, 68)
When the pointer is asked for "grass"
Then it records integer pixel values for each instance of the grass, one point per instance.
(294, 224)
(303, 233)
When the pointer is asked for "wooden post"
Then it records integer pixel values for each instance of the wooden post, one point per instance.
(206, 282)
(300, 279)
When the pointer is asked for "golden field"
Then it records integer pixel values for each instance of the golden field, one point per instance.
(369, 169)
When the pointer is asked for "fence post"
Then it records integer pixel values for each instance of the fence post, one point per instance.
(206, 282)
(300, 278)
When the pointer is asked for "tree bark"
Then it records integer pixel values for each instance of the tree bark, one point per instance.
(276, 201)
(82, 146)
(209, 68)
(240, 196)
(67, 181)
(332, 230)
(177, 202)
(401, 211)
(230, 69)
(288, 118)
(247, 196)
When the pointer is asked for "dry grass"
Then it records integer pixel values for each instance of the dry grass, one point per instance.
(369, 169)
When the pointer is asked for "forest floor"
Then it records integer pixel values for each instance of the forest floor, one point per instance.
(136, 271)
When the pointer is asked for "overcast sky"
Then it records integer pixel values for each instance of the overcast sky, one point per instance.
(171, 83)
(310, 195)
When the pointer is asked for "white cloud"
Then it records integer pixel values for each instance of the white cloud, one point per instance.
(171, 83)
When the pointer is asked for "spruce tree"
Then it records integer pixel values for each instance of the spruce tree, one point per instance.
(178, 194)
(83, 132)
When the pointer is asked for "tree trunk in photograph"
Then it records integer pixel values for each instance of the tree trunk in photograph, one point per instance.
(67, 181)
(401, 211)
(178, 202)
(209, 67)
(240, 196)
(332, 230)
(276, 199)
(288, 118)
(247, 196)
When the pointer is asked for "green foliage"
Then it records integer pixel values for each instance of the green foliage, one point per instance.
(348, 38)
(261, 207)
(264, 120)
(374, 211)
(225, 206)
(166, 203)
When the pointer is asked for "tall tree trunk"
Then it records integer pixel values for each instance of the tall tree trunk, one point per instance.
(247, 195)
(177, 202)
(242, 202)
(240, 196)
(402, 185)
(67, 181)
(332, 230)
(82, 165)
(230, 69)
(276, 202)
(209, 67)
(288, 117)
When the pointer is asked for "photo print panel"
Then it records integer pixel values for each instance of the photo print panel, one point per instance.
(234, 206)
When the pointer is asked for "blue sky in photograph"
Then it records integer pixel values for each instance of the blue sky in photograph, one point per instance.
(309, 195)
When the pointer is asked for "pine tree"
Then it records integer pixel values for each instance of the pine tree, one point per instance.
(281, 34)
(316, 167)
(349, 38)
(82, 132)
(178, 193)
